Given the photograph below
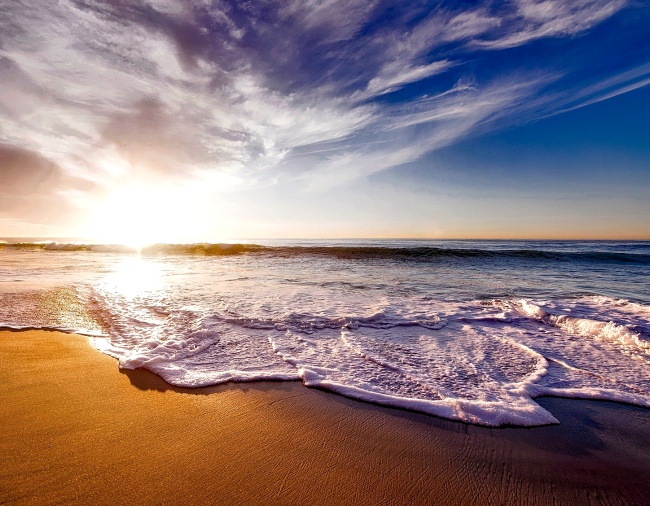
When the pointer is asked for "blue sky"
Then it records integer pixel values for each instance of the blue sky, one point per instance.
(206, 120)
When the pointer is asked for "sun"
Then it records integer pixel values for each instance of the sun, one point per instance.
(138, 215)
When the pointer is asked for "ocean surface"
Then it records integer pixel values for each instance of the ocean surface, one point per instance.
(467, 330)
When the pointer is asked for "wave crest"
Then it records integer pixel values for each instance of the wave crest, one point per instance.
(423, 253)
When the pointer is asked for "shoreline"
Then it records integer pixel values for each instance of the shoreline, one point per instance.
(77, 429)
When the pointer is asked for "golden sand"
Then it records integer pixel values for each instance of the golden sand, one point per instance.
(75, 429)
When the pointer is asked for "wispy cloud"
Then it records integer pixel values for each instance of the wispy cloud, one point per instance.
(405, 132)
(336, 20)
(536, 19)
(246, 93)
(26, 177)
(396, 74)
(623, 82)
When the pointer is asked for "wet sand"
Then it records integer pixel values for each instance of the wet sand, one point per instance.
(75, 429)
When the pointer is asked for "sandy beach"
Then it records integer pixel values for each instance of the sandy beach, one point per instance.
(76, 429)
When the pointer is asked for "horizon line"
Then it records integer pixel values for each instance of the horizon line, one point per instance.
(386, 238)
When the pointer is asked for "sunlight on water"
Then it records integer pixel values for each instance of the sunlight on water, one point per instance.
(134, 276)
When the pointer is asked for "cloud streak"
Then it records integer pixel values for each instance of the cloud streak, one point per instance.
(537, 19)
(250, 93)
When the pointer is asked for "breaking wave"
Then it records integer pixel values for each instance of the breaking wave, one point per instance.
(423, 253)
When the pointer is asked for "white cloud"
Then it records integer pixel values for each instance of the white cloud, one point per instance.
(535, 19)
(76, 73)
(442, 27)
(79, 88)
(604, 89)
(470, 104)
(340, 19)
(396, 74)
(404, 53)
(404, 134)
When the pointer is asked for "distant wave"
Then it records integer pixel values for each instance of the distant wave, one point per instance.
(54, 246)
(155, 249)
(424, 253)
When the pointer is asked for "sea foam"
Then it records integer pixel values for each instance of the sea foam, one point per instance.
(450, 337)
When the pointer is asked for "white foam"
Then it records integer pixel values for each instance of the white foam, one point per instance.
(627, 340)
(375, 334)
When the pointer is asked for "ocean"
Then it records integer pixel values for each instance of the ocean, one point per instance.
(472, 331)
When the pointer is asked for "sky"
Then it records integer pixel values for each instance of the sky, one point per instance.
(189, 121)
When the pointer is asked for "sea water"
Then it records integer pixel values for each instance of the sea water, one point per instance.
(467, 330)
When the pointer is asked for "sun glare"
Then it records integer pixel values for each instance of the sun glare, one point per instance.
(134, 275)
(139, 215)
